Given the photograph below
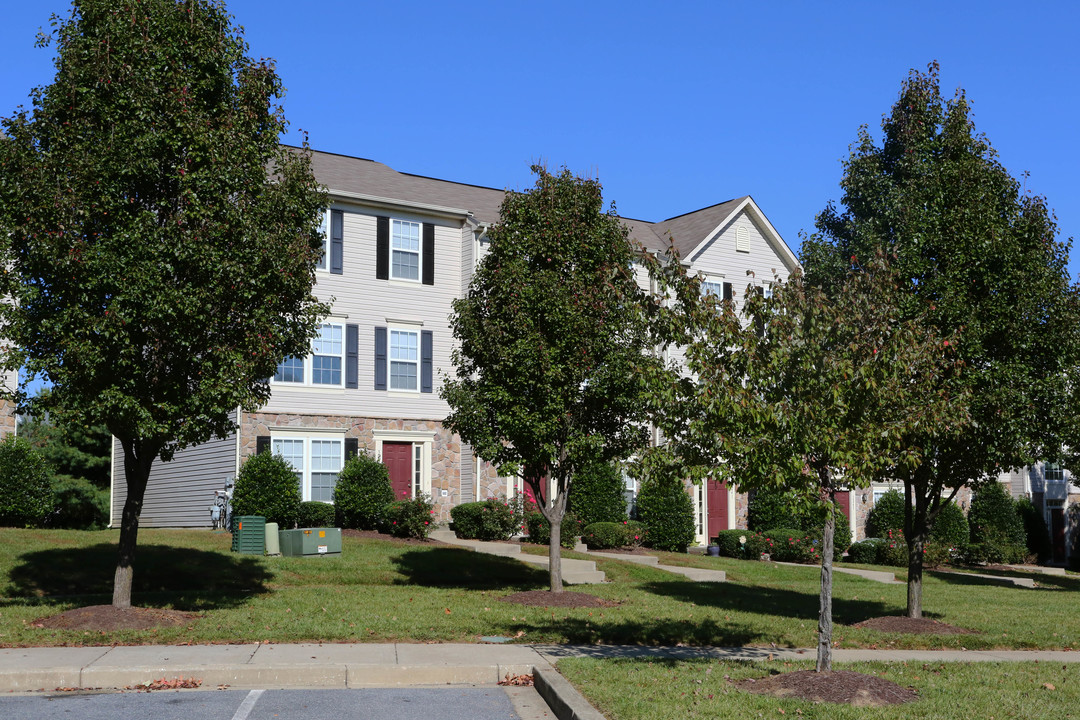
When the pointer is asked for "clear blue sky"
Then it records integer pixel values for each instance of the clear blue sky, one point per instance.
(674, 105)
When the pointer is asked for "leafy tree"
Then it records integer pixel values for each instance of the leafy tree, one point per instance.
(974, 254)
(162, 242)
(551, 334)
(72, 451)
(812, 394)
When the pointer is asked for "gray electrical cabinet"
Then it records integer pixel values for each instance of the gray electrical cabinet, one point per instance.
(310, 541)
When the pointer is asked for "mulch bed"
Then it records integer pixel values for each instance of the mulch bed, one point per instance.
(838, 686)
(913, 626)
(546, 598)
(107, 617)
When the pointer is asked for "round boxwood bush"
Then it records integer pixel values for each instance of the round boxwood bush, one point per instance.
(540, 529)
(865, 551)
(951, 526)
(993, 517)
(267, 486)
(491, 519)
(887, 514)
(26, 494)
(315, 514)
(604, 535)
(770, 508)
(666, 510)
(598, 494)
(362, 493)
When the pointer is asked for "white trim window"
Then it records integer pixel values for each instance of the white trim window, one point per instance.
(324, 228)
(324, 366)
(713, 287)
(405, 256)
(1053, 473)
(316, 461)
(404, 359)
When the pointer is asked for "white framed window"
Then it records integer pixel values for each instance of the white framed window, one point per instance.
(404, 359)
(714, 288)
(1054, 473)
(405, 250)
(324, 228)
(317, 460)
(324, 366)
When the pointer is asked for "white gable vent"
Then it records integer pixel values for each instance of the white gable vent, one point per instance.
(742, 240)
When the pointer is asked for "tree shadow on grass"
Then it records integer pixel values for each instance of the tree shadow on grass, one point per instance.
(453, 568)
(1045, 582)
(183, 578)
(772, 601)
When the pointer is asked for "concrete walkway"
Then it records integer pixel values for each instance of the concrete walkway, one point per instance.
(880, 576)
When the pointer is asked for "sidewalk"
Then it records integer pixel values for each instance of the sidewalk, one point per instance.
(385, 665)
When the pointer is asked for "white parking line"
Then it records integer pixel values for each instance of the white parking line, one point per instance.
(248, 705)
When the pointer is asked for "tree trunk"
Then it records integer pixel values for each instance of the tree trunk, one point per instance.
(555, 556)
(824, 653)
(915, 532)
(136, 475)
(554, 509)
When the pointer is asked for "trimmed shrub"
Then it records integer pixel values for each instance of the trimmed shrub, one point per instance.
(769, 509)
(865, 551)
(993, 517)
(26, 494)
(841, 535)
(79, 505)
(315, 514)
(540, 529)
(409, 518)
(362, 493)
(792, 545)
(635, 533)
(666, 510)
(887, 514)
(893, 550)
(992, 551)
(598, 494)
(604, 535)
(487, 520)
(950, 527)
(1038, 535)
(267, 486)
(936, 554)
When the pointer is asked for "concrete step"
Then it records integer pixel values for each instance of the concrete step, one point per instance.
(881, 576)
(575, 572)
(1043, 569)
(650, 560)
(696, 574)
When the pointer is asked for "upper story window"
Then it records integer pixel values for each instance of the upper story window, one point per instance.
(1054, 472)
(323, 366)
(405, 250)
(716, 289)
(323, 227)
(404, 360)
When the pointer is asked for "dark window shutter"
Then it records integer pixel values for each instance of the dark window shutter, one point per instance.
(352, 447)
(262, 444)
(382, 248)
(337, 237)
(729, 293)
(380, 358)
(352, 356)
(425, 362)
(429, 254)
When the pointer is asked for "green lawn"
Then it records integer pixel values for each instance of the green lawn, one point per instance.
(380, 591)
(679, 690)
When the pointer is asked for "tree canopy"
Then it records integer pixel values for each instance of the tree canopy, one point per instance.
(804, 392)
(552, 339)
(974, 255)
(161, 243)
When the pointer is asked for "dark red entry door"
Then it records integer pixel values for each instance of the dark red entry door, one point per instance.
(716, 501)
(397, 457)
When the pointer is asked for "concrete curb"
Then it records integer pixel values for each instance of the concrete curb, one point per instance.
(561, 697)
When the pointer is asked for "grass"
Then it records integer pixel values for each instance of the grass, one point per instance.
(381, 591)
(679, 690)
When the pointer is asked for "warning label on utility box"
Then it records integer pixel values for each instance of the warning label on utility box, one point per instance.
(322, 548)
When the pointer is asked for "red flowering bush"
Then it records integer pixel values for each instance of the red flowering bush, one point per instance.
(409, 518)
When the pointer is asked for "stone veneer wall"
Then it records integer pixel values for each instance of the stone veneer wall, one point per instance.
(7, 418)
(490, 484)
(445, 448)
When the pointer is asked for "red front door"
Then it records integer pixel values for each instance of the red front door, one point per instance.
(397, 457)
(716, 500)
(843, 499)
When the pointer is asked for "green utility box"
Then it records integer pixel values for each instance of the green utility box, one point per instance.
(310, 541)
(249, 534)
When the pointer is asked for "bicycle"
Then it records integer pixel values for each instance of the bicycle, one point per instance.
(221, 510)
